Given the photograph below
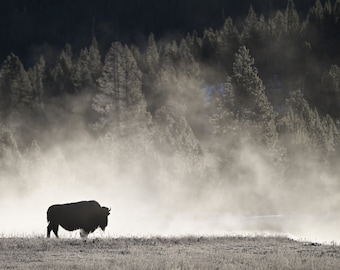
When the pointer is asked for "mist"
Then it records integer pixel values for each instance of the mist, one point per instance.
(178, 138)
(155, 193)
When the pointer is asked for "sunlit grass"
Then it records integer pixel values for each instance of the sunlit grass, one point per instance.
(190, 252)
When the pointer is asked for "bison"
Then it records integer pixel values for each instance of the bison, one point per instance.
(85, 215)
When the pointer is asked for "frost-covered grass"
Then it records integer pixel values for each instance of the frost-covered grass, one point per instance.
(166, 253)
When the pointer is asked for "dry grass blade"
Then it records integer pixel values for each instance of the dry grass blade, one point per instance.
(166, 253)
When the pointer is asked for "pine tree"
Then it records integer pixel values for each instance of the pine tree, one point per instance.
(328, 8)
(223, 117)
(87, 69)
(331, 137)
(195, 44)
(187, 65)
(61, 74)
(81, 73)
(120, 101)
(10, 157)
(152, 56)
(331, 80)
(189, 93)
(169, 54)
(16, 88)
(250, 96)
(151, 66)
(278, 26)
(330, 91)
(250, 25)
(227, 127)
(293, 20)
(37, 76)
(167, 80)
(316, 14)
(229, 42)
(336, 11)
(254, 33)
(210, 45)
(95, 60)
(173, 134)
(302, 125)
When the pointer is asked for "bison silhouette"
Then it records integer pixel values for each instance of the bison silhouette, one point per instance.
(85, 215)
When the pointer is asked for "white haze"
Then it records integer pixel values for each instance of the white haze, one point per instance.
(150, 193)
(160, 197)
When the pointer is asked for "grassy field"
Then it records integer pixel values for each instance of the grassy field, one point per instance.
(166, 253)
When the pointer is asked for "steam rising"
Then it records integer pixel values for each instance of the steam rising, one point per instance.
(153, 192)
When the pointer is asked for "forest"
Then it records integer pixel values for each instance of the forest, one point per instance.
(247, 110)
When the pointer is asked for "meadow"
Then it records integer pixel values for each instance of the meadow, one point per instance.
(229, 252)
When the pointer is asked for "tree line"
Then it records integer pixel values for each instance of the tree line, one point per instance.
(272, 84)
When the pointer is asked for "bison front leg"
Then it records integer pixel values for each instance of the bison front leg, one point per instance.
(83, 234)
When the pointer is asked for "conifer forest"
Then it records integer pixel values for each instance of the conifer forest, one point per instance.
(241, 116)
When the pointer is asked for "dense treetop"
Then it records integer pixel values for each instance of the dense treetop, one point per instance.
(30, 27)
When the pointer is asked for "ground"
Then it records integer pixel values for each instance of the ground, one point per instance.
(232, 252)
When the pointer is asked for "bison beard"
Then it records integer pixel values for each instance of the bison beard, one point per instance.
(85, 215)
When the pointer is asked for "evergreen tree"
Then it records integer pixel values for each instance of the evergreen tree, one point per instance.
(229, 42)
(254, 30)
(167, 80)
(151, 70)
(328, 8)
(187, 66)
(195, 44)
(61, 73)
(120, 101)
(227, 128)
(336, 11)
(331, 137)
(316, 14)
(173, 133)
(179, 78)
(254, 36)
(331, 80)
(293, 20)
(10, 157)
(81, 73)
(95, 60)
(37, 76)
(16, 89)
(330, 92)
(152, 56)
(189, 93)
(106, 102)
(223, 117)
(250, 25)
(278, 26)
(303, 127)
(169, 54)
(210, 45)
(251, 101)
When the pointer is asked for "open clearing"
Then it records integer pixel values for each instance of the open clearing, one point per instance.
(232, 252)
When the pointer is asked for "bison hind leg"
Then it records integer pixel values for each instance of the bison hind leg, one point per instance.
(54, 228)
(83, 233)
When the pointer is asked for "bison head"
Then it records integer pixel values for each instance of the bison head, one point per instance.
(104, 214)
